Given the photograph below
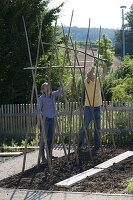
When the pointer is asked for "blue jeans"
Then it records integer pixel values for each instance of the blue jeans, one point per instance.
(49, 126)
(88, 117)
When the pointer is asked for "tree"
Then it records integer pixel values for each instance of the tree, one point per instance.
(128, 35)
(125, 69)
(15, 82)
(129, 17)
(109, 82)
(118, 85)
(106, 50)
(123, 91)
(118, 43)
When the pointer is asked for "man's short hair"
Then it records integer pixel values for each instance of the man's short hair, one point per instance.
(91, 70)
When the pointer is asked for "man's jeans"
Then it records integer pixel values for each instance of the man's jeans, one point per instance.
(49, 131)
(88, 117)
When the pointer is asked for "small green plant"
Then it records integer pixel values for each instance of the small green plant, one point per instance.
(4, 148)
(23, 143)
(130, 185)
(14, 143)
(33, 142)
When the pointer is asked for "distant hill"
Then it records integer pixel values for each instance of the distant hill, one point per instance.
(79, 34)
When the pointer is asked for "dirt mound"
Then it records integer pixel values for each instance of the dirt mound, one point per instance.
(109, 180)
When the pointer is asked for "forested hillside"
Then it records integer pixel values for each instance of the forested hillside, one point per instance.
(79, 34)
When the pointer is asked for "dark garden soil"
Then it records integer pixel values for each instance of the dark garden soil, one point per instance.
(111, 180)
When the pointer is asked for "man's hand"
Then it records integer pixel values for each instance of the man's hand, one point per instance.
(90, 75)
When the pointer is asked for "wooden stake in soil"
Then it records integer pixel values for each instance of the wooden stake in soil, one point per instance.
(34, 87)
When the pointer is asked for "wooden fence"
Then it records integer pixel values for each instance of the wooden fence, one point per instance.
(17, 119)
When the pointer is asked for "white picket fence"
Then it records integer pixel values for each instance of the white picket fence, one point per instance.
(17, 119)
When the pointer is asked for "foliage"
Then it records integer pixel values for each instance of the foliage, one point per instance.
(18, 141)
(129, 17)
(16, 81)
(80, 34)
(125, 69)
(123, 74)
(118, 43)
(57, 77)
(106, 50)
(130, 185)
(128, 35)
(108, 82)
(118, 84)
(123, 90)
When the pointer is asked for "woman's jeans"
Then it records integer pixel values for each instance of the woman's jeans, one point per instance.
(90, 114)
(49, 126)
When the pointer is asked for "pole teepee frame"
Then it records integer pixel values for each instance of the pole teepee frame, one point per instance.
(74, 67)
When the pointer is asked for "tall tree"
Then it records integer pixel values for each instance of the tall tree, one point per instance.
(15, 82)
(129, 17)
(128, 35)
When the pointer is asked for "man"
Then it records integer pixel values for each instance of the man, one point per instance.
(93, 102)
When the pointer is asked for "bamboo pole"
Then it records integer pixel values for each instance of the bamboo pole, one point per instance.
(82, 77)
(79, 51)
(53, 39)
(35, 87)
(71, 111)
(97, 63)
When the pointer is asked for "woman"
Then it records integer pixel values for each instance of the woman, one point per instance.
(46, 112)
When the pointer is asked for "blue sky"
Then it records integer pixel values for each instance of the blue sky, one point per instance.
(104, 13)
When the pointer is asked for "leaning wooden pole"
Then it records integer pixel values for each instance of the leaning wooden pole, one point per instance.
(82, 77)
(67, 54)
(74, 88)
(56, 120)
(84, 89)
(79, 51)
(97, 67)
(71, 109)
(53, 48)
(103, 92)
(34, 82)
(42, 118)
(37, 56)
(26, 137)
(68, 36)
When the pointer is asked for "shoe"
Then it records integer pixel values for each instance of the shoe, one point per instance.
(80, 149)
(54, 157)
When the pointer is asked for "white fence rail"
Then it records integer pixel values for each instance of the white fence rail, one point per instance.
(17, 119)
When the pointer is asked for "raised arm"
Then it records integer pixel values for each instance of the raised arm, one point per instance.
(63, 89)
(69, 85)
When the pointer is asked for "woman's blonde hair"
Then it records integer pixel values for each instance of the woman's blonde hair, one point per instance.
(42, 86)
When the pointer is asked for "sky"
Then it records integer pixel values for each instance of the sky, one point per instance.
(104, 13)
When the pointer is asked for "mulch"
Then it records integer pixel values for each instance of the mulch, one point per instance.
(111, 180)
